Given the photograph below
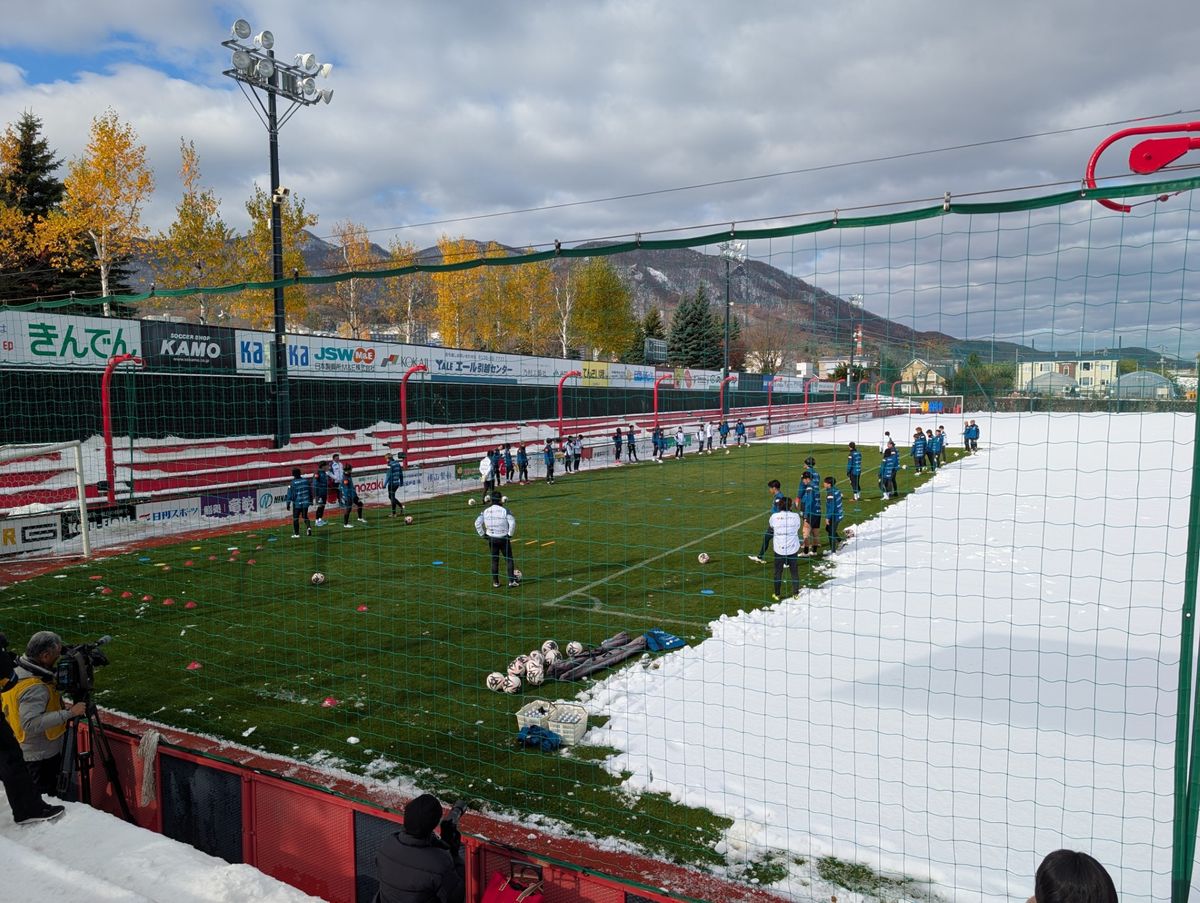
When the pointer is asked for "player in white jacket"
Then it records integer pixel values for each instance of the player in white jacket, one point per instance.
(785, 540)
(498, 527)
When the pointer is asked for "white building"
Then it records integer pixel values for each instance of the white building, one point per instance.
(1094, 375)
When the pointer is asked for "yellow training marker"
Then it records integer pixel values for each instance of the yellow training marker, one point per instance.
(531, 542)
(550, 543)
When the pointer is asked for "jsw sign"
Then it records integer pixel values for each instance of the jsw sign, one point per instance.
(347, 355)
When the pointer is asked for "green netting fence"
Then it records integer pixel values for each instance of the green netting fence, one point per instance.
(993, 661)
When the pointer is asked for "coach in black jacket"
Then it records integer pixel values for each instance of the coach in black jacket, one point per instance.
(414, 866)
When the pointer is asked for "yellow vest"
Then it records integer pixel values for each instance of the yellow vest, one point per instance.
(12, 707)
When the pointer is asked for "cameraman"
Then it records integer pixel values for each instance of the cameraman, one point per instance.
(26, 803)
(34, 710)
(414, 866)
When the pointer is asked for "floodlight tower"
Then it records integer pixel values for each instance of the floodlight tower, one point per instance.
(731, 251)
(254, 65)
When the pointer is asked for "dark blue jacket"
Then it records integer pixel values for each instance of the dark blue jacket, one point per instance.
(918, 447)
(418, 870)
(508, 461)
(321, 482)
(810, 500)
(833, 503)
(888, 466)
(522, 458)
(723, 429)
(548, 455)
(395, 474)
(347, 491)
(299, 492)
(816, 481)
(740, 429)
(938, 443)
(854, 463)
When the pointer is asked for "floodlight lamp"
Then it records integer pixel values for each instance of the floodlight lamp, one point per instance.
(242, 61)
(240, 29)
(325, 69)
(327, 94)
(265, 40)
(734, 250)
(307, 86)
(307, 62)
(264, 69)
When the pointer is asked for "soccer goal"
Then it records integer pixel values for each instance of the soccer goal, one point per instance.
(42, 487)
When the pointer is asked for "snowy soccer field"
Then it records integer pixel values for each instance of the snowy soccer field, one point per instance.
(990, 674)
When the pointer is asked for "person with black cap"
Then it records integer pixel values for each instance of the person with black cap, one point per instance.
(414, 865)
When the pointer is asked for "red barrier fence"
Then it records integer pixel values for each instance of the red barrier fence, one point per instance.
(320, 832)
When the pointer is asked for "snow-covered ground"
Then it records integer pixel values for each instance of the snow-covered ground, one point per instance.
(989, 675)
(88, 855)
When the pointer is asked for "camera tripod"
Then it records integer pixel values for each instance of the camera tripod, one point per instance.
(79, 762)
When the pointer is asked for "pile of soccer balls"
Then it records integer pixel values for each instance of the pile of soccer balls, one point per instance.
(531, 668)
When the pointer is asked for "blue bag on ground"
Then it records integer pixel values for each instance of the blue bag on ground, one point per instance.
(658, 640)
(539, 738)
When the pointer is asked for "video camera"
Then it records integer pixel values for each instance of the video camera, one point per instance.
(75, 672)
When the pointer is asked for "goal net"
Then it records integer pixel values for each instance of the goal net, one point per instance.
(45, 500)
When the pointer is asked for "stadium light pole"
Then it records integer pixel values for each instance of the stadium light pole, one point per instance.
(731, 251)
(253, 64)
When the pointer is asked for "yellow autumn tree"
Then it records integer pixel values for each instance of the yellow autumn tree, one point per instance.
(407, 300)
(532, 317)
(493, 309)
(604, 311)
(14, 237)
(104, 192)
(197, 248)
(254, 259)
(457, 294)
(349, 301)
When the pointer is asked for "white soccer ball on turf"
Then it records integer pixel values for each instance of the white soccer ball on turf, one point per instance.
(496, 681)
(408, 518)
(471, 502)
(574, 648)
(703, 558)
(552, 656)
(535, 676)
(536, 658)
(548, 645)
(512, 684)
(504, 500)
(517, 665)
(318, 578)
(517, 575)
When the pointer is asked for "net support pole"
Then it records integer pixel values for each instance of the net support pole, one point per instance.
(1187, 778)
(724, 382)
(562, 379)
(415, 368)
(106, 413)
(665, 376)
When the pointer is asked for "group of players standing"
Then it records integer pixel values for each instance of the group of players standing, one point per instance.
(333, 477)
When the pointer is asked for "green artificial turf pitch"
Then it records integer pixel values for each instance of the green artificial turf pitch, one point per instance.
(381, 670)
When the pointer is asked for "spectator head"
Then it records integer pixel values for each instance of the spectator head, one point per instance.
(497, 498)
(422, 815)
(806, 476)
(44, 647)
(1066, 876)
(853, 447)
(830, 482)
(810, 461)
(337, 457)
(774, 485)
(321, 465)
(295, 473)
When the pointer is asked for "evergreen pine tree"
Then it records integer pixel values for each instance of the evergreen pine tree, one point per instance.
(28, 184)
(695, 339)
(652, 325)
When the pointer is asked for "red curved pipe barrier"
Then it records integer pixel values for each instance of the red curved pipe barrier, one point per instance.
(669, 376)
(106, 412)
(721, 402)
(415, 368)
(562, 380)
(1146, 156)
(770, 389)
(893, 391)
(875, 391)
(835, 385)
(807, 383)
(858, 388)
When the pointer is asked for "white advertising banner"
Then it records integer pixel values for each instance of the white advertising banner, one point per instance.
(45, 339)
(29, 534)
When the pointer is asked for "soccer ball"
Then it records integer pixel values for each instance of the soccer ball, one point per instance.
(471, 502)
(904, 467)
(517, 575)
(496, 681)
(548, 645)
(535, 676)
(574, 648)
(535, 658)
(408, 518)
(552, 656)
(703, 558)
(512, 684)
(504, 500)
(517, 666)
(318, 578)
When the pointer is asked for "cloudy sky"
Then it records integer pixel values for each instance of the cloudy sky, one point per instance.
(610, 118)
